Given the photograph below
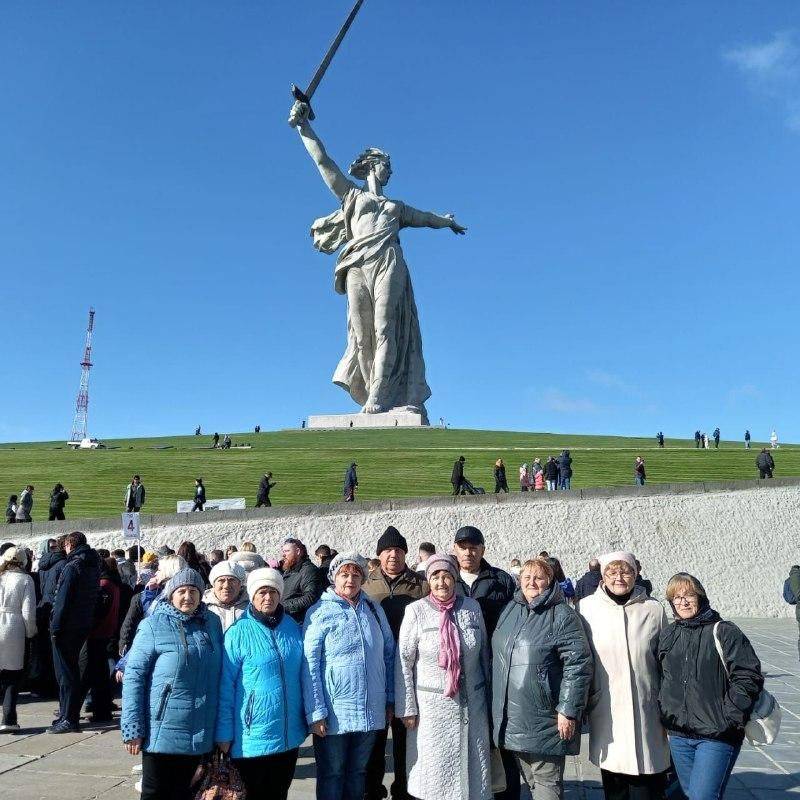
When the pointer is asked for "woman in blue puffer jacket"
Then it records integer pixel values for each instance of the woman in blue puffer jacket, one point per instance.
(348, 678)
(260, 719)
(171, 687)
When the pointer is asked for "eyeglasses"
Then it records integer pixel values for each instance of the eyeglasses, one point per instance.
(619, 573)
(685, 599)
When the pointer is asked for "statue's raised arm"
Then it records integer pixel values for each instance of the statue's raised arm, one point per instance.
(334, 178)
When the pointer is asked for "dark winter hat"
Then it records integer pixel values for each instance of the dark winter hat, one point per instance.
(391, 538)
(469, 534)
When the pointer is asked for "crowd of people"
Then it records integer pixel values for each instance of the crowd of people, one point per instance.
(483, 677)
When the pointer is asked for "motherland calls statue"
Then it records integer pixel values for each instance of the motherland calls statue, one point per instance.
(382, 368)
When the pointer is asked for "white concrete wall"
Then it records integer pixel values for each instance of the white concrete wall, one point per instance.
(740, 538)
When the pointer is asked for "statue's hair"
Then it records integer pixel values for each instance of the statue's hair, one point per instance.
(360, 168)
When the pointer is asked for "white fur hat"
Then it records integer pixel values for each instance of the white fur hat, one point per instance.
(264, 576)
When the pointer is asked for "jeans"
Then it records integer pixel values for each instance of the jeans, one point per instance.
(703, 765)
(10, 679)
(167, 776)
(342, 764)
(376, 768)
(543, 774)
(638, 480)
(95, 677)
(66, 655)
(268, 776)
(565, 483)
(551, 485)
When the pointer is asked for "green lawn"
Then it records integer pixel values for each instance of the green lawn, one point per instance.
(309, 466)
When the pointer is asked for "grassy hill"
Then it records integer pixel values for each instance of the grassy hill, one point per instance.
(309, 466)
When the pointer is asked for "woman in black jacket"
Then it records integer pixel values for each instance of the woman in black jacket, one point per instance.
(704, 703)
(58, 499)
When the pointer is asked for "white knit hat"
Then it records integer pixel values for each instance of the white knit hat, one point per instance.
(18, 554)
(227, 569)
(618, 555)
(347, 558)
(264, 576)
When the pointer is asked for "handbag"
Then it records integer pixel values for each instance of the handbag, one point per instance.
(221, 781)
(765, 718)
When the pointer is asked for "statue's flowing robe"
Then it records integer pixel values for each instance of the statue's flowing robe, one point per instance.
(379, 258)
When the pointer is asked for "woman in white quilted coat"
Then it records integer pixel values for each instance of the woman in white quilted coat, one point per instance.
(626, 738)
(441, 686)
(17, 623)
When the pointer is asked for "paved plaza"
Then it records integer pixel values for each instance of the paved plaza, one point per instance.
(93, 763)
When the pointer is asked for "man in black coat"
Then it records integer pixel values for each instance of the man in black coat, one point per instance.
(765, 463)
(50, 565)
(262, 499)
(72, 618)
(564, 470)
(303, 582)
(492, 588)
(457, 478)
(588, 584)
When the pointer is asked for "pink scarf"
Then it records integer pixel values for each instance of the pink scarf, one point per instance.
(449, 644)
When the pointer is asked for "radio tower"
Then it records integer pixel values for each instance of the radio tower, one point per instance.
(82, 402)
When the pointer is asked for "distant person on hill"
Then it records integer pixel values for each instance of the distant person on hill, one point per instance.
(747, 440)
(500, 482)
(425, 551)
(639, 474)
(716, 438)
(551, 474)
(773, 440)
(199, 495)
(11, 509)
(262, 499)
(564, 469)
(765, 463)
(215, 439)
(350, 483)
(226, 442)
(697, 438)
(134, 495)
(25, 505)
(660, 438)
(58, 499)
(457, 476)
(524, 478)
(588, 583)
(197, 431)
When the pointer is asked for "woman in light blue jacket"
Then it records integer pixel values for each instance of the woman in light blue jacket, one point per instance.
(260, 720)
(170, 691)
(348, 678)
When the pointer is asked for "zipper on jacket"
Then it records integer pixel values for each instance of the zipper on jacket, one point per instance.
(364, 656)
(283, 689)
(163, 704)
(248, 714)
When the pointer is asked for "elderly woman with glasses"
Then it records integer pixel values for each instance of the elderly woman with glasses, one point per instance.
(441, 690)
(626, 738)
(704, 702)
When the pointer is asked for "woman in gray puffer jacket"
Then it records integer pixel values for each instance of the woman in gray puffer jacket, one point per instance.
(541, 673)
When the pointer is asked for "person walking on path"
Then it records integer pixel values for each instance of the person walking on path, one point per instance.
(58, 499)
(697, 438)
(264, 487)
(639, 474)
(539, 647)
(11, 509)
(134, 495)
(72, 618)
(199, 495)
(710, 681)
(171, 689)
(551, 474)
(457, 477)
(347, 678)
(500, 482)
(395, 586)
(215, 439)
(441, 691)
(303, 581)
(17, 626)
(773, 440)
(260, 719)
(765, 463)
(25, 505)
(716, 435)
(350, 483)
(564, 469)
(747, 440)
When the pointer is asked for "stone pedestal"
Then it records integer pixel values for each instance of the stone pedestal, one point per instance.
(390, 419)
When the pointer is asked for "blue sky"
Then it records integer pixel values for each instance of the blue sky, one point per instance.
(628, 174)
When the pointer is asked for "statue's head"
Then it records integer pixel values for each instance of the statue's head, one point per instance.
(372, 160)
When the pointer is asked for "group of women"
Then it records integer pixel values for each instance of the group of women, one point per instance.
(652, 692)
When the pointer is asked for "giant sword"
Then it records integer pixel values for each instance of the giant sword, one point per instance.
(305, 97)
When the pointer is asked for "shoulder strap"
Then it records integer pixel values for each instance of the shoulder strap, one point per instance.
(368, 601)
(719, 649)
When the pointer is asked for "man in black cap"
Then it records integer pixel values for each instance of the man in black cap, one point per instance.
(394, 586)
(492, 588)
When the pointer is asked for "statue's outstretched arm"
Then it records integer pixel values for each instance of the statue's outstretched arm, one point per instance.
(334, 178)
(414, 218)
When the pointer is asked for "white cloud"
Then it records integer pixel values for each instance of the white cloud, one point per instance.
(556, 400)
(772, 69)
(609, 381)
(746, 392)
